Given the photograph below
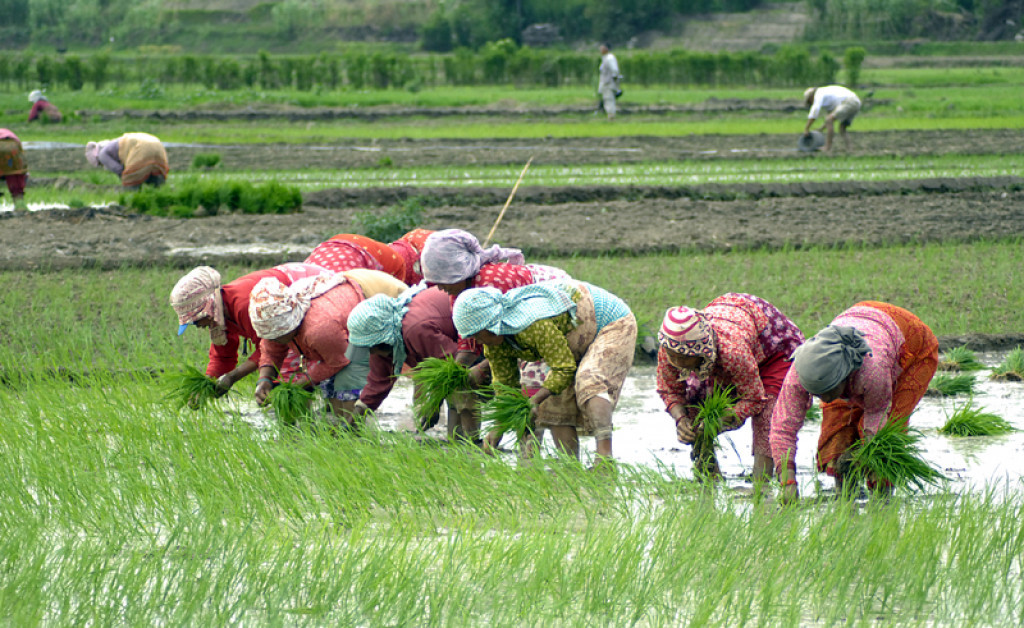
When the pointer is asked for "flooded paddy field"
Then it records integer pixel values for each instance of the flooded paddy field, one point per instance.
(645, 435)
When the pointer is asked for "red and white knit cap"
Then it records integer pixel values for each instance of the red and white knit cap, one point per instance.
(686, 331)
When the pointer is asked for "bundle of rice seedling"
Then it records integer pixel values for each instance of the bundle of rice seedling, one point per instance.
(967, 420)
(947, 385)
(507, 410)
(708, 424)
(959, 359)
(435, 380)
(190, 388)
(892, 457)
(291, 403)
(1012, 368)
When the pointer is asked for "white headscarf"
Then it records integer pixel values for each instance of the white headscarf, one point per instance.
(276, 309)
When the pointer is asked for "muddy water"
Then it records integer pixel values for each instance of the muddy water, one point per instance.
(645, 435)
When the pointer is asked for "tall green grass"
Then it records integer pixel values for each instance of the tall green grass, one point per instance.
(971, 420)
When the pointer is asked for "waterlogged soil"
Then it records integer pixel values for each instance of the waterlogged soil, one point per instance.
(587, 220)
(644, 434)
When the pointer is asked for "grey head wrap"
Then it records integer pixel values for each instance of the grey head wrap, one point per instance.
(452, 255)
(827, 359)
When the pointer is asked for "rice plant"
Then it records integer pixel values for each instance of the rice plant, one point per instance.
(813, 414)
(436, 379)
(291, 403)
(892, 457)
(708, 424)
(1012, 368)
(190, 388)
(959, 359)
(968, 420)
(507, 410)
(947, 385)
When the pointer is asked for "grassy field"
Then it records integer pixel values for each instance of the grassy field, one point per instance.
(121, 320)
(119, 510)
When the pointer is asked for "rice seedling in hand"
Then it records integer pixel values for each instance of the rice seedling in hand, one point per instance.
(891, 457)
(708, 423)
(435, 380)
(191, 388)
(291, 403)
(947, 385)
(968, 420)
(1012, 368)
(959, 359)
(507, 410)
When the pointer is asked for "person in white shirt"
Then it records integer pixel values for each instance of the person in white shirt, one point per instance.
(839, 104)
(608, 80)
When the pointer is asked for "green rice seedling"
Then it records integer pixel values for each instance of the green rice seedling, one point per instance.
(892, 456)
(708, 424)
(507, 410)
(1012, 368)
(968, 420)
(190, 388)
(291, 403)
(813, 414)
(435, 380)
(948, 385)
(959, 359)
(205, 160)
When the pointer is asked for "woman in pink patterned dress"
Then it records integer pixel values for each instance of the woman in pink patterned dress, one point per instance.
(737, 340)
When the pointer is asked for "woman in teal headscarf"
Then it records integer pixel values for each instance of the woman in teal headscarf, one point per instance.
(403, 330)
(585, 335)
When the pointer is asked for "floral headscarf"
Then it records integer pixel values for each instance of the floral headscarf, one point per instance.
(453, 255)
(276, 309)
(685, 330)
(197, 295)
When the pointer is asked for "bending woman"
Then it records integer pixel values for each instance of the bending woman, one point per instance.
(871, 366)
(401, 331)
(737, 340)
(310, 316)
(137, 158)
(199, 299)
(584, 334)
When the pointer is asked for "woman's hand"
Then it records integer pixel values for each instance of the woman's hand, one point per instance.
(263, 388)
(224, 384)
(480, 375)
(685, 432)
(538, 398)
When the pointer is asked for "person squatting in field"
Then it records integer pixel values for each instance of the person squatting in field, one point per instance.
(454, 261)
(42, 109)
(199, 299)
(871, 366)
(138, 158)
(13, 170)
(839, 104)
(584, 334)
(404, 331)
(739, 341)
(310, 316)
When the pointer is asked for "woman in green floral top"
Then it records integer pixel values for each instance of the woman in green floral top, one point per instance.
(586, 336)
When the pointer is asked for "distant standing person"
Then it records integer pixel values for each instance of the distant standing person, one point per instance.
(608, 82)
(839, 103)
(42, 109)
(137, 157)
(13, 170)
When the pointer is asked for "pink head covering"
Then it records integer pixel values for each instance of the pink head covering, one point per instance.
(92, 152)
(452, 255)
(685, 330)
(196, 296)
(276, 309)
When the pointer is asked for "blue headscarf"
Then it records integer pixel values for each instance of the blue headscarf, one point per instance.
(378, 321)
(512, 312)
